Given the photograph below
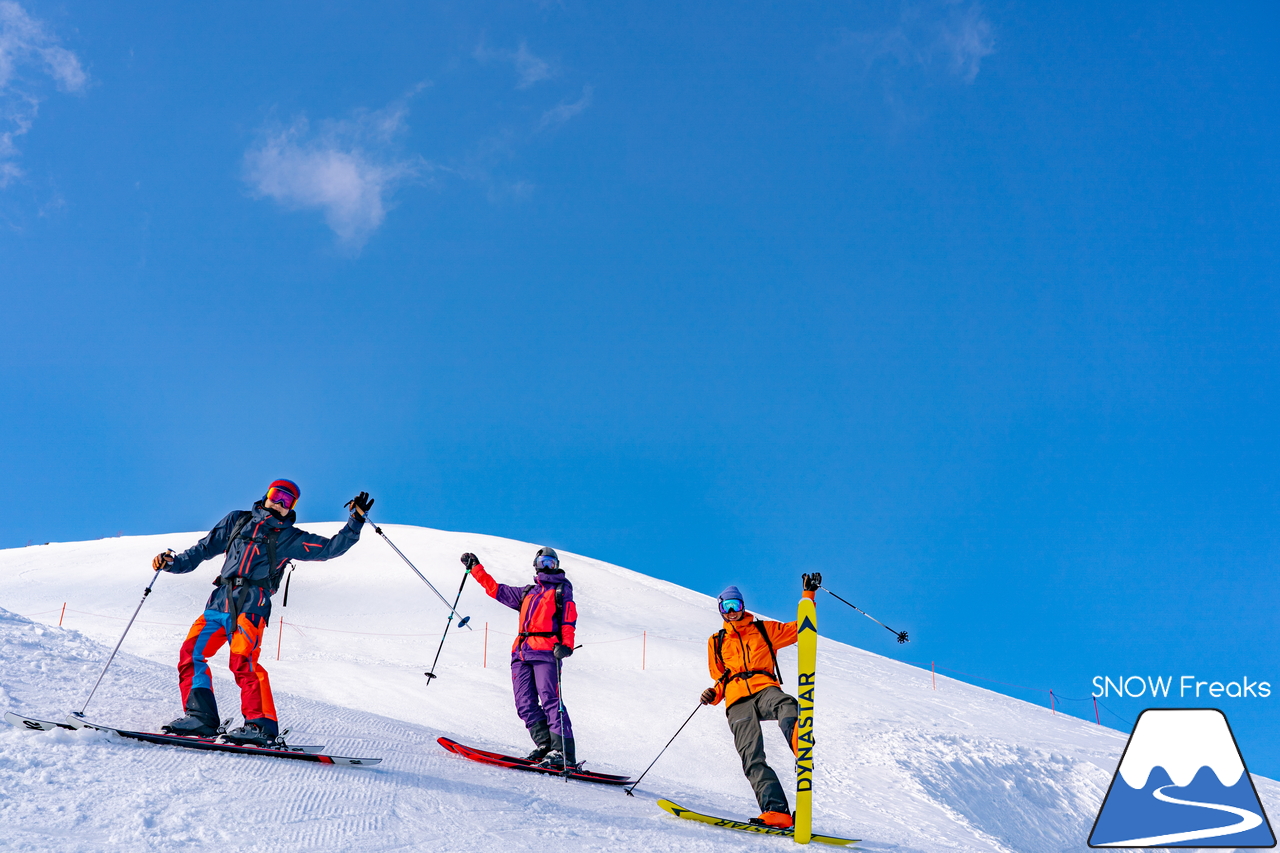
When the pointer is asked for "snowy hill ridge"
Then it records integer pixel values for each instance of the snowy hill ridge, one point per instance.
(904, 767)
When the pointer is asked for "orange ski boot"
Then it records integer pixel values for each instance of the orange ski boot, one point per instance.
(778, 820)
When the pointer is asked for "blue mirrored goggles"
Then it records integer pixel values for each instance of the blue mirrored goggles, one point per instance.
(546, 563)
(731, 605)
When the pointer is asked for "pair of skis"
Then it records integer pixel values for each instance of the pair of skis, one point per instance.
(300, 753)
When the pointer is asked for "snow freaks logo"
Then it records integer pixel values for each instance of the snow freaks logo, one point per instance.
(1187, 687)
(1182, 783)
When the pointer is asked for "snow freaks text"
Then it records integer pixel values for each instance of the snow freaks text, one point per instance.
(1184, 687)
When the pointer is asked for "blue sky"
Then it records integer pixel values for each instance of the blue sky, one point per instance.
(971, 307)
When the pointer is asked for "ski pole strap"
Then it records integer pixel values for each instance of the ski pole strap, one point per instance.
(285, 603)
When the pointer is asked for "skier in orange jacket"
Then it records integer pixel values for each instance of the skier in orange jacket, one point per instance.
(742, 658)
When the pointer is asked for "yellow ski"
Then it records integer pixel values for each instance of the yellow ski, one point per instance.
(807, 646)
(745, 826)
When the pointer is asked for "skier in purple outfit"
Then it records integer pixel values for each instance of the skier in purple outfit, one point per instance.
(548, 618)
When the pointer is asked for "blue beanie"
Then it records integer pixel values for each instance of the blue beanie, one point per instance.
(732, 592)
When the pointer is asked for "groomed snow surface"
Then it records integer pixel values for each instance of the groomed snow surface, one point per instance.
(906, 768)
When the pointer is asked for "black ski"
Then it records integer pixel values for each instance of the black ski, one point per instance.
(32, 724)
(211, 745)
(37, 725)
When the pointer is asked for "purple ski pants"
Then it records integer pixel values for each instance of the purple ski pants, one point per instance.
(538, 695)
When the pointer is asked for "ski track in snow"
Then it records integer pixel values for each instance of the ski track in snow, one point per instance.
(907, 768)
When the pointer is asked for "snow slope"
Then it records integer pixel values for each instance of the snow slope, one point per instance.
(904, 767)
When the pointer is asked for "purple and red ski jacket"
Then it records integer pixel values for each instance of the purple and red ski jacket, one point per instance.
(247, 555)
(537, 605)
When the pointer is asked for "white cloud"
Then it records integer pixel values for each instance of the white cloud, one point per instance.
(529, 68)
(564, 111)
(930, 34)
(29, 55)
(967, 36)
(347, 169)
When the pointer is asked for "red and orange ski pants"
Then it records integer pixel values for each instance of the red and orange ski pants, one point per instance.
(208, 634)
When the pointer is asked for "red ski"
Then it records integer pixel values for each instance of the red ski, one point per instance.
(498, 760)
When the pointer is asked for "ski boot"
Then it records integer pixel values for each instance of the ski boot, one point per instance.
(252, 733)
(563, 759)
(543, 743)
(192, 725)
(778, 820)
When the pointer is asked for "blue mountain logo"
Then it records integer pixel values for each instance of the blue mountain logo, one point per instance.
(1182, 783)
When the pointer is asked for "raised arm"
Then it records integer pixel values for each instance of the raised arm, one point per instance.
(511, 596)
(312, 547)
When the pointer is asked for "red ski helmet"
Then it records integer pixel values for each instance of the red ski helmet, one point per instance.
(286, 493)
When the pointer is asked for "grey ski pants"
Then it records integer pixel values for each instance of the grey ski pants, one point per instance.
(744, 721)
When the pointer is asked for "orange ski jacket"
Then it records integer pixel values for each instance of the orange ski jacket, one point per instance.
(744, 651)
(540, 624)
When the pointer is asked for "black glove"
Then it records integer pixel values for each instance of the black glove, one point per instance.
(561, 651)
(470, 561)
(162, 561)
(708, 696)
(360, 504)
(812, 582)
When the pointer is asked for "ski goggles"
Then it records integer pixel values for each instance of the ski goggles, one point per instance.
(731, 605)
(546, 563)
(284, 498)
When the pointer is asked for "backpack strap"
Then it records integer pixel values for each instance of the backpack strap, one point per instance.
(726, 677)
(777, 673)
(724, 670)
(273, 534)
(559, 617)
(276, 573)
(236, 528)
(557, 620)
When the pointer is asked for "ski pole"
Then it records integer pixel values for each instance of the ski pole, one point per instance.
(901, 635)
(560, 700)
(464, 619)
(145, 593)
(432, 674)
(664, 749)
